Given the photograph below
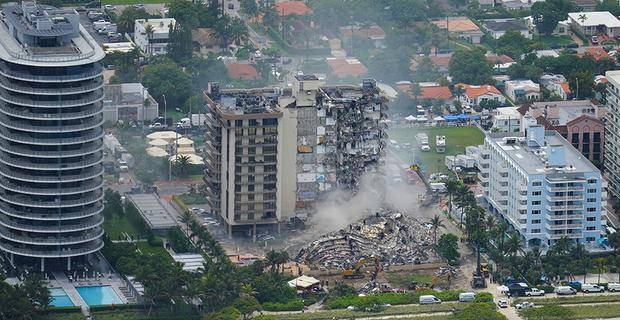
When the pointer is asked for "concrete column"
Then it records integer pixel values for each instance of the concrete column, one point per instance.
(12, 259)
(68, 263)
(254, 233)
(42, 264)
(229, 231)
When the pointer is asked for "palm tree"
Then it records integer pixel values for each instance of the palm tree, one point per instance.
(601, 265)
(436, 223)
(221, 30)
(182, 164)
(464, 199)
(452, 187)
(238, 31)
(149, 35)
(186, 218)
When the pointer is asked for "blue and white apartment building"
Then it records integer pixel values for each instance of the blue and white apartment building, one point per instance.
(543, 187)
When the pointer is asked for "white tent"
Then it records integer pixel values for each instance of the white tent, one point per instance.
(186, 150)
(439, 119)
(185, 142)
(303, 282)
(411, 118)
(165, 135)
(158, 143)
(156, 152)
(193, 159)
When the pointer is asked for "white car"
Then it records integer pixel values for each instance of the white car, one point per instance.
(590, 287)
(110, 7)
(502, 303)
(535, 292)
(524, 305)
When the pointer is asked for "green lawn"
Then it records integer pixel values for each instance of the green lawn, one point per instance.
(572, 300)
(115, 226)
(390, 311)
(160, 251)
(104, 2)
(403, 280)
(457, 138)
(311, 66)
(599, 311)
(549, 41)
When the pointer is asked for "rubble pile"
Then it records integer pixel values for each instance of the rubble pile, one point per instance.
(388, 235)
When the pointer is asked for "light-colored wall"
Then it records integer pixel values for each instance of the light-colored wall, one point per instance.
(287, 164)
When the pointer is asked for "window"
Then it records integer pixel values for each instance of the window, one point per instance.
(591, 228)
(250, 197)
(591, 209)
(535, 203)
(535, 230)
(536, 193)
(586, 137)
(251, 188)
(591, 219)
(596, 137)
(238, 123)
(591, 190)
(591, 200)
(271, 121)
(536, 221)
(589, 239)
(253, 123)
(591, 180)
(536, 183)
(535, 211)
(575, 138)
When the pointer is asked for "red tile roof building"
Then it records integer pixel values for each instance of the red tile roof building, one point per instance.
(288, 8)
(243, 71)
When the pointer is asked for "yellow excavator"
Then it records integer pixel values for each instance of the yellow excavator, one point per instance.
(355, 271)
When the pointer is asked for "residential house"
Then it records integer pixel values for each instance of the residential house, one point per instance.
(578, 121)
(346, 67)
(288, 8)
(498, 27)
(205, 41)
(501, 62)
(597, 53)
(155, 41)
(441, 61)
(595, 23)
(522, 90)
(374, 32)
(461, 27)
(556, 84)
(514, 4)
(506, 119)
(128, 101)
(242, 71)
(472, 95)
(562, 29)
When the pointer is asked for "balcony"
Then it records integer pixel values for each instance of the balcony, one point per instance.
(51, 239)
(23, 213)
(87, 124)
(29, 152)
(568, 235)
(52, 190)
(66, 252)
(564, 198)
(25, 114)
(88, 161)
(565, 189)
(565, 207)
(563, 226)
(73, 89)
(564, 217)
(25, 226)
(27, 76)
(26, 138)
(86, 174)
(34, 202)
(88, 99)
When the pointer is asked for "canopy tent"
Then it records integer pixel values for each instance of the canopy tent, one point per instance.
(411, 118)
(438, 119)
(186, 150)
(158, 143)
(156, 152)
(461, 117)
(165, 135)
(303, 282)
(185, 142)
(193, 159)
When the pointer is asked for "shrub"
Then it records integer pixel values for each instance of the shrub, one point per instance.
(546, 289)
(292, 305)
(484, 297)
(371, 304)
(479, 311)
(548, 312)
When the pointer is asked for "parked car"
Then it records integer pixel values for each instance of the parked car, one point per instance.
(524, 305)
(467, 296)
(594, 39)
(591, 287)
(110, 7)
(613, 286)
(565, 290)
(502, 303)
(535, 292)
(158, 126)
(429, 299)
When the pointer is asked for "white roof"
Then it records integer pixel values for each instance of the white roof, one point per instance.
(508, 111)
(156, 152)
(166, 135)
(411, 118)
(303, 282)
(186, 150)
(158, 142)
(185, 142)
(595, 18)
(161, 25)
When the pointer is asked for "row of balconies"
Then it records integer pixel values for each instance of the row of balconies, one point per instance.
(89, 148)
(87, 161)
(24, 75)
(564, 207)
(84, 187)
(52, 239)
(572, 235)
(564, 189)
(26, 213)
(26, 138)
(65, 90)
(564, 226)
(87, 124)
(564, 198)
(28, 201)
(65, 252)
(85, 99)
(25, 114)
(84, 224)
(86, 174)
(554, 217)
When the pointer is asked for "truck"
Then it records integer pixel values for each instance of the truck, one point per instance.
(94, 15)
(184, 123)
(440, 144)
(98, 25)
(198, 119)
(110, 28)
(422, 141)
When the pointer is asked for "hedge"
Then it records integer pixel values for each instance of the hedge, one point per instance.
(484, 297)
(393, 298)
(111, 307)
(69, 309)
(180, 203)
(292, 305)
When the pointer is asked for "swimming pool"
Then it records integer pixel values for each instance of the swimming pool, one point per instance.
(98, 295)
(60, 298)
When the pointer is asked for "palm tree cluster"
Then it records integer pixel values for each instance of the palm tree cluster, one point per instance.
(24, 301)
(230, 30)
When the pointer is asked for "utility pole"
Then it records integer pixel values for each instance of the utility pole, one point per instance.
(165, 110)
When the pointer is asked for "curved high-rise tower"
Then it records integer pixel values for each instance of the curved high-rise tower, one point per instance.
(51, 92)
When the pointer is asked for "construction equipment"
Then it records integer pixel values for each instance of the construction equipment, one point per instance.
(354, 272)
(484, 269)
(478, 282)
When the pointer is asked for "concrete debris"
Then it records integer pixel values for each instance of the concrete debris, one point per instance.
(389, 235)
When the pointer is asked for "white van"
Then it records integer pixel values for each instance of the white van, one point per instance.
(564, 290)
(613, 286)
(591, 287)
(467, 297)
(429, 299)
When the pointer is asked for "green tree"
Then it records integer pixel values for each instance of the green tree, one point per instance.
(609, 5)
(238, 31)
(181, 165)
(246, 305)
(249, 7)
(180, 45)
(471, 67)
(167, 78)
(391, 65)
(548, 13)
(425, 71)
(582, 84)
(127, 19)
(436, 223)
(601, 266)
(453, 187)
(513, 44)
(448, 248)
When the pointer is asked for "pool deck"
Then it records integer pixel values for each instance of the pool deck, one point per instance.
(61, 281)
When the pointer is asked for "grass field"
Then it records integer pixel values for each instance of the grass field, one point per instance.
(572, 300)
(457, 138)
(550, 41)
(390, 311)
(402, 280)
(160, 251)
(115, 226)
(599, 311)
(121, 2)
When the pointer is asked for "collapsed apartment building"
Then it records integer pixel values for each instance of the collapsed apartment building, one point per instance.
(273, 154)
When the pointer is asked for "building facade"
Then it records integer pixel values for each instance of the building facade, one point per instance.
(51, 92)
(272, 154)
(612, 133)
(543, 187)
(522, 90)
(128, 102)
(152, 35)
